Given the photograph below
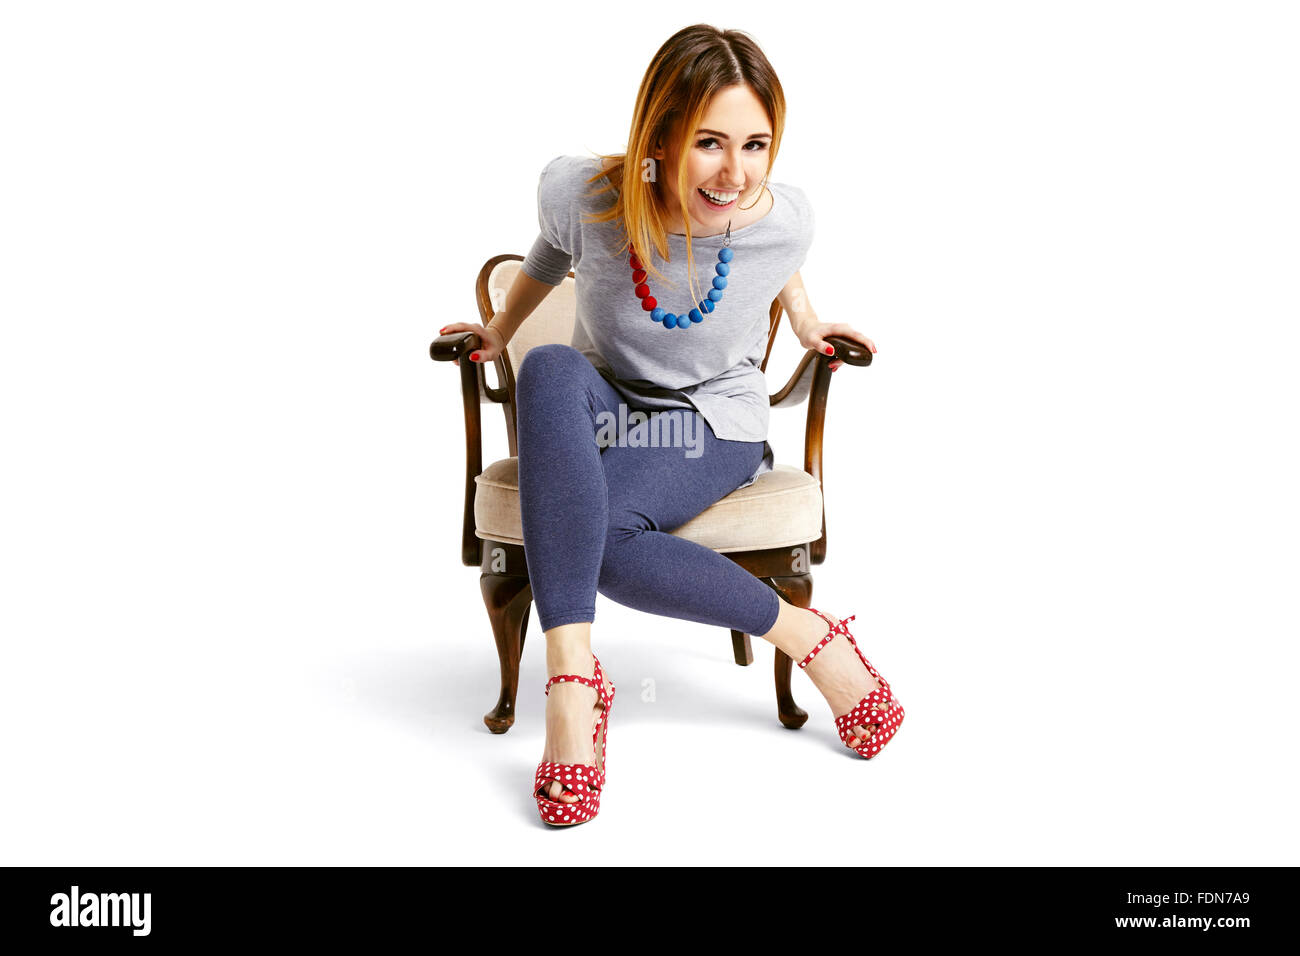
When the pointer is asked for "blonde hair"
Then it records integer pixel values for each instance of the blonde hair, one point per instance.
(692, 66)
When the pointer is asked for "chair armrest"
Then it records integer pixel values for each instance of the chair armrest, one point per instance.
(453, 346)
(796, 390)
(812, 380)
(444, 348)
(457, 345)
(849, 351)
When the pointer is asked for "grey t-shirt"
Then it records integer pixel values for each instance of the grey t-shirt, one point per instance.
(713, 366)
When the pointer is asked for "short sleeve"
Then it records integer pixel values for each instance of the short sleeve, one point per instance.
(551, 256)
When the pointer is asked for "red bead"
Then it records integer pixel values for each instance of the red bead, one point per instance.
(635, 262)
(642, 291)
(649, 303)
(638, 276)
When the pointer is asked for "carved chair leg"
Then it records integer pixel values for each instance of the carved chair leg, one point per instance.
(740, 646)
(508, 598)
(797, 590)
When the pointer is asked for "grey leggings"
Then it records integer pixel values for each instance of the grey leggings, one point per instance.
(596, 514)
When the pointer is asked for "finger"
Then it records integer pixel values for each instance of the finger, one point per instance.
(455, 361)
(849, 332)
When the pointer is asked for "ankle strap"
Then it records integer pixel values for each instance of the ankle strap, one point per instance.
(840, 628)
(596, 683)
(565, 678)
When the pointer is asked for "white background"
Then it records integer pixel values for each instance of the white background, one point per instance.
(1061, 502)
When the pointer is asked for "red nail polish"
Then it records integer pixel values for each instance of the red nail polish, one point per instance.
(473, 356)
(830, 350)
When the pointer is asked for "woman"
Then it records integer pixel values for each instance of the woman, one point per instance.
(597, 512)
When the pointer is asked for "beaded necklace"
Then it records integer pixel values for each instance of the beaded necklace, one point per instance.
(707, 304)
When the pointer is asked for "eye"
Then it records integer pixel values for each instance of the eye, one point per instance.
(753, 142)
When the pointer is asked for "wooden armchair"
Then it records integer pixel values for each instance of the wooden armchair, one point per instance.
(774, 528)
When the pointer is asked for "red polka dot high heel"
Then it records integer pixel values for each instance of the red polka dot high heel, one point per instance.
(585, 781)
(880, 708)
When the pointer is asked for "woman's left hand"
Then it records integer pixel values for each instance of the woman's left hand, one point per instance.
(814, 337)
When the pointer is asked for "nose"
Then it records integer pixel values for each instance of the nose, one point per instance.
(733, 169)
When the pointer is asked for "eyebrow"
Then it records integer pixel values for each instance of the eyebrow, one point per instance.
(721, 135)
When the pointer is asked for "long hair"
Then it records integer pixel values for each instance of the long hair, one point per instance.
(691, 67)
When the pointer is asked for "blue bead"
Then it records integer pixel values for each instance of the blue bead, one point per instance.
(707, 305)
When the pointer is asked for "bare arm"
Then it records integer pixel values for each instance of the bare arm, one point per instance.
(794, 300)
(524, 295)
(810, 330)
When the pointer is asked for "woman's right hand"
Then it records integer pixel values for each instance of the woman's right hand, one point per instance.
(493, 343)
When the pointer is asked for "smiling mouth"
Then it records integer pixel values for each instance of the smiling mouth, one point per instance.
(719, 199)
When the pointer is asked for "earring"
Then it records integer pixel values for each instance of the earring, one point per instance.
(763, 184)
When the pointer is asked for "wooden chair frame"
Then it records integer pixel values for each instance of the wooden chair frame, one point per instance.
(503, 580)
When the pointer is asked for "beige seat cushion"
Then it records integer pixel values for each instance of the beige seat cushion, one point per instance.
(781, 508)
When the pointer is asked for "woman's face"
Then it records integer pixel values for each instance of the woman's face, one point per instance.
(727, 156)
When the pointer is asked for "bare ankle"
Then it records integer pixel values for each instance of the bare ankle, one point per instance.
(796, 631)
(568, 650)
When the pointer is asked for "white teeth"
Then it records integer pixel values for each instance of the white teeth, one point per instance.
(720, 197)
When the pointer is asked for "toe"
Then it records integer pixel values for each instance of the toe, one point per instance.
(864, 732)
(557, 792)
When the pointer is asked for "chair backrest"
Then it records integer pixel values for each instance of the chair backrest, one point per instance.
(550, 323)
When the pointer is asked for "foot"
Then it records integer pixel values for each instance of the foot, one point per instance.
(572, 710)
(838, 673)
